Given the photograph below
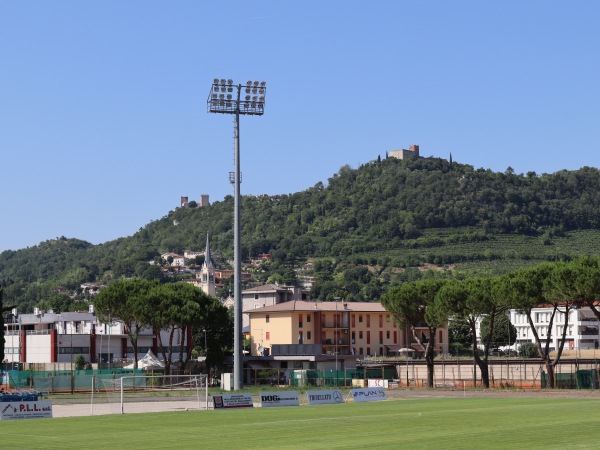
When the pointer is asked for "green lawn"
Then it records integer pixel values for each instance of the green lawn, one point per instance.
(405, 423)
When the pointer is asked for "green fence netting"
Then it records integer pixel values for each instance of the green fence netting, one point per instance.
(66, 380)
(581, 379)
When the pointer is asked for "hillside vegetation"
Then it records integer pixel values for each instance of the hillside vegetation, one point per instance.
(382, 223)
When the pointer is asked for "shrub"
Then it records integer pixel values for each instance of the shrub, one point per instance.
(528, 350)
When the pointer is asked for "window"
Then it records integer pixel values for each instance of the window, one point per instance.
(353, 318)
(267, 336)
(368, 339)
(381, 337)
(395, 337)
(368, 320)
(360, 318)
(308, 336)
(353, 337)
(380, 320)
(387, 334)
(267, 318)
(255, 296)
(360, 335)
(300, 321)
(368, 350)
(308, 318)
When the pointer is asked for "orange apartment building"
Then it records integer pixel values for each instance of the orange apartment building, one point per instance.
(330, 328)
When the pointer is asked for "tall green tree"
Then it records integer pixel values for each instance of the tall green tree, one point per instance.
(526, 289)
(182, 307)
(504, 332)
(581, 282)
(126, 300)
(468, 300)
(413, 307)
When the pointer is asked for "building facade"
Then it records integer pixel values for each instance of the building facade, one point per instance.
(583, 327)
(330, 328)
(269, 295)
(51, 338)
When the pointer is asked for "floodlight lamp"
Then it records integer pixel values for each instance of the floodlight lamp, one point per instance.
(216, 88)
(229, 89)
(230, 82)
(256, 84)
(228, 96)
(216, 81)
(261, 91)
(223, 81)
(263, 84)
(261, 98)
(247, 97)
(214, 96)
(254, 98)
(249, 83)
(221, 96)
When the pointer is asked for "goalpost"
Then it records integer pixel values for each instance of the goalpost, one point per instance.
(150, 393)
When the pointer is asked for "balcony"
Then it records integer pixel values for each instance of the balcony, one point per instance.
(335, 325)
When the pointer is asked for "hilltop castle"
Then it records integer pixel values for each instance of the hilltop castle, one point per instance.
(412, 152)
(203, 201)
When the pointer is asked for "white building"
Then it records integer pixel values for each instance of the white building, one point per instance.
(582, 329)
(50, 338)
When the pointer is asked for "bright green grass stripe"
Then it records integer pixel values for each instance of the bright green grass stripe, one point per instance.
(406, 423)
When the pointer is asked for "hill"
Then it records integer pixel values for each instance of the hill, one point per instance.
(382, 223)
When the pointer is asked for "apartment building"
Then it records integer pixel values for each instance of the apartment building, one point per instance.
(300, 327)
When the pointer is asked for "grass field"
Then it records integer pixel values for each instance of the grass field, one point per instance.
(442, 423)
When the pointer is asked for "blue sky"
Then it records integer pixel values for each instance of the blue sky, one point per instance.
(103, 122)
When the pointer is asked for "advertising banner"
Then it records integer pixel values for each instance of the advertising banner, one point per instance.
(227, 401)
(378, 383)
(40, 409)
(368, 394)
(281, 398)
(322, 397)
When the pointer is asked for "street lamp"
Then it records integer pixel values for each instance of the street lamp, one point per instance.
(226, 98)
(205, 346)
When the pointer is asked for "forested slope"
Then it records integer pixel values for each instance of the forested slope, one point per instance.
(386, 215)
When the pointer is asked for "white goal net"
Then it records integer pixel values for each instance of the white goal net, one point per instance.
(154, 393)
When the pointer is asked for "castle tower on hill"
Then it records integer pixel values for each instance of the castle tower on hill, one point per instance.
(412, 152)
(207, 274)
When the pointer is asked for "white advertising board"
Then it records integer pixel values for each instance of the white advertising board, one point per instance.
(368, 394)
(40, 409)
(322, 397)
(227, 401)
(281, 398)
(378, 383)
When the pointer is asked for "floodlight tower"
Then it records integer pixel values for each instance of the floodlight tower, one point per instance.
(225, 98)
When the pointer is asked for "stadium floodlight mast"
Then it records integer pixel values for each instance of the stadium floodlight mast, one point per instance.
(226, 98)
